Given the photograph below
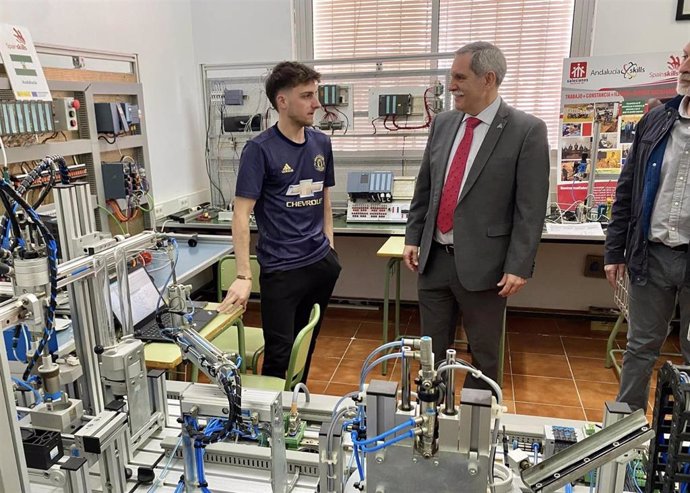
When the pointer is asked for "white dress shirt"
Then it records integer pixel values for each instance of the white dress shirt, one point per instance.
(486, 116)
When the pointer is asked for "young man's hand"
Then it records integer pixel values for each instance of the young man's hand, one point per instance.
(238, 295)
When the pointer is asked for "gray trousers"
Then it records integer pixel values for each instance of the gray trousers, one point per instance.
(442, 298)
(651, 309)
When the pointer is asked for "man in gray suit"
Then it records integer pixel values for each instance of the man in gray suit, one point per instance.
(478, 209)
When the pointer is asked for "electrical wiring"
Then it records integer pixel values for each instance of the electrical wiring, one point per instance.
(248, 125)
(118, 212)
(427, 121)
(46, 190)
(385, 125)
(10, 211)
(347, 120)
(31, 177)
(149, 199)
(208, 154)
(53, 136)
(373, 123)
(51, 245)
(104, 137)
(119, 225)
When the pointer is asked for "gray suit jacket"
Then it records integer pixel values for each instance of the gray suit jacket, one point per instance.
(498, 221)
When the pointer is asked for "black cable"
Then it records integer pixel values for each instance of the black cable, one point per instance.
(104, 137)
(12, 217)
(208, 153)
(63, 169)
(372, 123)
(385, 124)
(25, 184)
(347, 120)
(51, 245)
(46, 190)
(50, 138)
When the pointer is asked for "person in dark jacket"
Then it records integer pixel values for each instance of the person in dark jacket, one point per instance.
(649, 234)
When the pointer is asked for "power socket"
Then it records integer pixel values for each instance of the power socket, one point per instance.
(158, 212)
(594, 266)
(183, 203)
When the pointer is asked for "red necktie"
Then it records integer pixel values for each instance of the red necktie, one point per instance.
(451, 189)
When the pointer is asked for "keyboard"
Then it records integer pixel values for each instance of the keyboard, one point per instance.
(150, 332)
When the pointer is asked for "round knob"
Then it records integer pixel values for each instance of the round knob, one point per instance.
(76, 104)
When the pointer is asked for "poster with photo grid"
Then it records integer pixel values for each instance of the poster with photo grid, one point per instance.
(615, 92)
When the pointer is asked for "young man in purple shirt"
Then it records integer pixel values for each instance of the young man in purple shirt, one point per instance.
(285, 176)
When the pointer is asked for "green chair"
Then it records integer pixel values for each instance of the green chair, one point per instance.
(253, 336)
(298, 359)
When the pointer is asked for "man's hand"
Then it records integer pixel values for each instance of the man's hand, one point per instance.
(238, 294)
(511, 284)
(411, 257)
(613, 273)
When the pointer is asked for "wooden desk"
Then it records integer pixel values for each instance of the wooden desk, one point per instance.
(392, 249)
(167, 355)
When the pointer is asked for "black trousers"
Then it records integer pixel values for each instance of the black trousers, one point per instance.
(287, 298)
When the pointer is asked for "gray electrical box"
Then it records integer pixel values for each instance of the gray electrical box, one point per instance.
(369, 182)
(114, 186)
(131, 113)
(234, 97)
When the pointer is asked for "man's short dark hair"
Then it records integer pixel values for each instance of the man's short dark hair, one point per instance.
(287, 75)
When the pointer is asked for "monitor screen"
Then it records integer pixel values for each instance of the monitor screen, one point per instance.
(142, 295)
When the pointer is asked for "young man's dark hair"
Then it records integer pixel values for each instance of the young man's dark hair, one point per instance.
(287, 75)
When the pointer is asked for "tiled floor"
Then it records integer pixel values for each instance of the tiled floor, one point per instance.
(553, 366)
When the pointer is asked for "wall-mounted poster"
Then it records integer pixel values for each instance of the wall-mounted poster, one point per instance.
(614, 92)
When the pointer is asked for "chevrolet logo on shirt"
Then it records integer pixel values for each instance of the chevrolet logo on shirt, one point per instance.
(287, 169)
(305, 189)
